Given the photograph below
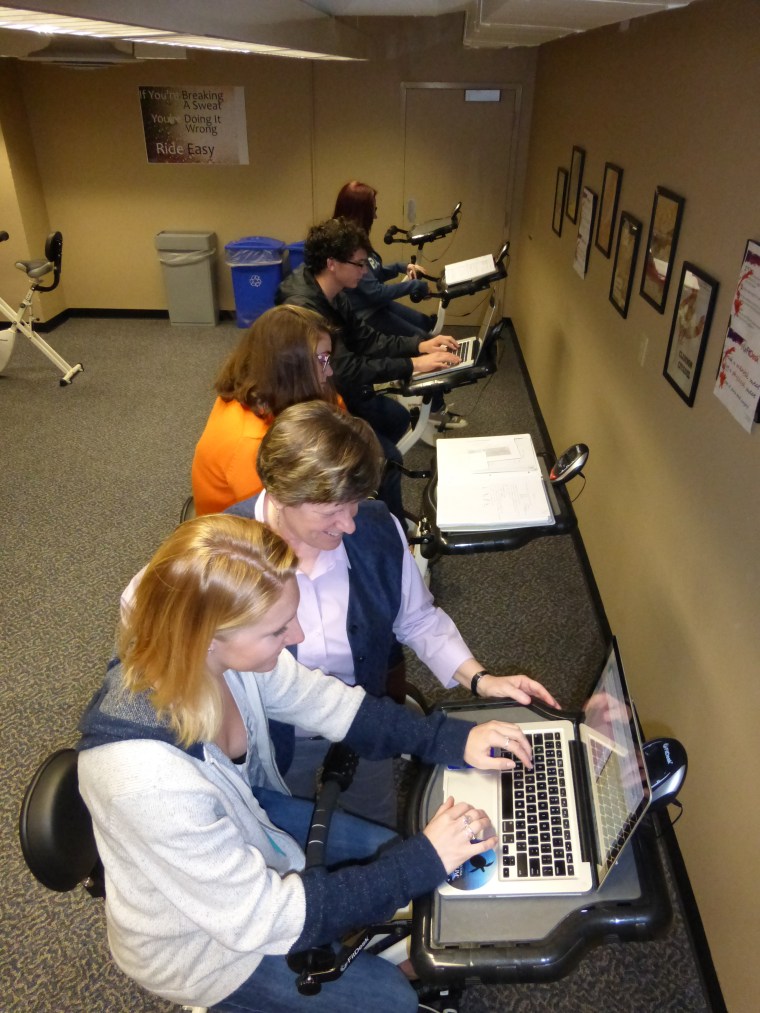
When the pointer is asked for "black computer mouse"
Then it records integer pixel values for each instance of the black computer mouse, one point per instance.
(569, 463)
(666, 766)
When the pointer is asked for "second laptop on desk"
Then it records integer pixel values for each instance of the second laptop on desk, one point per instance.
(490, 482)
(470, 349)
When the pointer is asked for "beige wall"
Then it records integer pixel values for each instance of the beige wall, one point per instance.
(109, 202)
(669, 515)
(311, 126)
(23, 213)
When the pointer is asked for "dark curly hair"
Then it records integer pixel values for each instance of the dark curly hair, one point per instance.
(337, 238)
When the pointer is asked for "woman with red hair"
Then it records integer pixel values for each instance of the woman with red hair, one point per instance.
(374, 299)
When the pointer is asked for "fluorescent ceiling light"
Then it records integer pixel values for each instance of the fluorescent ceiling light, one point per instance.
(230, 46)
(52, 24)
(58, 24)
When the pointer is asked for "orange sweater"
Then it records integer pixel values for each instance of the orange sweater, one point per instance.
(224, 465)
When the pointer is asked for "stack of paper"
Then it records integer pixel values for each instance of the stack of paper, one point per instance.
(490, 482)
(469, 270)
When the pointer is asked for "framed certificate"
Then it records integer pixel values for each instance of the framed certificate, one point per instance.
(629, 235)
(688, 332)
(667, 211)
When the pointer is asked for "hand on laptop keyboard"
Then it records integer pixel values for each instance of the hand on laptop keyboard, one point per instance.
(440, 343)
(432, 361)
(495, 735)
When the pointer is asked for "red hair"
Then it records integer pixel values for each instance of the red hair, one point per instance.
(356, 201)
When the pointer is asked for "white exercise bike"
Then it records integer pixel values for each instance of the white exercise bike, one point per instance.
(22, 319)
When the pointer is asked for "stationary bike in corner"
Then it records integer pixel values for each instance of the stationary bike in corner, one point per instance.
(22, 319)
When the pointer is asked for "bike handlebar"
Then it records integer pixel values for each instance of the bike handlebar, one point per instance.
(318, 964)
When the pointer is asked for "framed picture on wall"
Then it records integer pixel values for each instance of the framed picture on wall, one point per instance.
(574, 185)
(585, 231)
(605, 226)
(560, 195)
(692, 317)
(667, 211)
(626, 251)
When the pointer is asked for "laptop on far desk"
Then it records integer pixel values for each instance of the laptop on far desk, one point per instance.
(470, 349)
(562, 826)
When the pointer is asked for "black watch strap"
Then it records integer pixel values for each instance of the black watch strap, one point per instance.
(476, 679)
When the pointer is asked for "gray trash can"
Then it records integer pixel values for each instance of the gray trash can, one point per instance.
(188, 265)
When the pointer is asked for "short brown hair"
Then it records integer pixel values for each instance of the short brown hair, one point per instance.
(274, 364)
(314, 453)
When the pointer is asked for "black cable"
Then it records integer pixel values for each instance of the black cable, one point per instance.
(675, 802)
(575, 497)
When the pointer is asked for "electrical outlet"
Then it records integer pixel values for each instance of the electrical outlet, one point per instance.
(643, 345)
(411, 211)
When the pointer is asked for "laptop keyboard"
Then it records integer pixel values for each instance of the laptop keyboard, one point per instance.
(466, 349)
(535, 825)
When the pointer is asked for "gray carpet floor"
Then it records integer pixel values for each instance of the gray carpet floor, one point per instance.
(93, 477)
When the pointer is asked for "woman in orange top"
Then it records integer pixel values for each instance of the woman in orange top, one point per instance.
(283, 359)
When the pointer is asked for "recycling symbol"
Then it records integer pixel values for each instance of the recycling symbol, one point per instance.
(255, 281)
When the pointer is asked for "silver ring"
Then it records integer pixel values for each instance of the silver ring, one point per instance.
(506, 742)
(467, 820)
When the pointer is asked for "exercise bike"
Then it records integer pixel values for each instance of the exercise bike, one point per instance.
(475, 275)
(22, 319)
(322, 964)
(425, 232)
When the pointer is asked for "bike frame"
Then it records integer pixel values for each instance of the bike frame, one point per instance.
(22, 319)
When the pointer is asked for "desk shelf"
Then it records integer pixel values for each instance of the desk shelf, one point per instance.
(435, 543)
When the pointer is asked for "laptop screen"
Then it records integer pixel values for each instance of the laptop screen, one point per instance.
(615, 763)
(485, 325)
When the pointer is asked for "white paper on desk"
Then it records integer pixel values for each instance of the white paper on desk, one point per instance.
(467, 270)
(485, 454)
(490, 482)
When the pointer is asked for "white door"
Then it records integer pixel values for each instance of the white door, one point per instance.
(458, 150)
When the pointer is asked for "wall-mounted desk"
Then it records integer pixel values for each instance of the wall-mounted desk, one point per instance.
(528, 939)
(433, 542)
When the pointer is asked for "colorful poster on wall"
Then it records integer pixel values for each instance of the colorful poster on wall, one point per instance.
(738, 382)
(194, 124)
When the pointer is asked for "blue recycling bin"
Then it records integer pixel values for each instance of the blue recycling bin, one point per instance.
(256, 265)
(295, 251)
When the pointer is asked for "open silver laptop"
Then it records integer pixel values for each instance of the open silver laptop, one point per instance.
(470, 348)
(561, 826)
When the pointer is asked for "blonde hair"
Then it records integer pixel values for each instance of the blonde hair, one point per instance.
(314, 453)
(213, 575)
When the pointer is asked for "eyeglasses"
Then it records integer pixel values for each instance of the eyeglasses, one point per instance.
(324, 360)
(357, 263)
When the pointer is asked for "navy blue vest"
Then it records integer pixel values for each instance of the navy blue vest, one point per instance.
(375, 553)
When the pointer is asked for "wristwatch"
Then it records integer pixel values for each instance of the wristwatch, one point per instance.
(476, 679)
